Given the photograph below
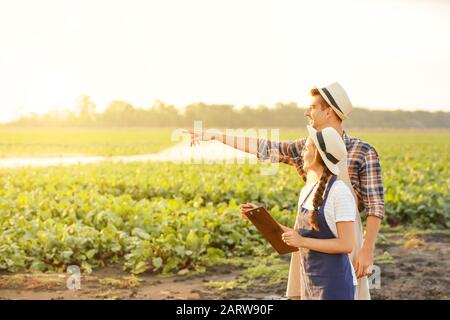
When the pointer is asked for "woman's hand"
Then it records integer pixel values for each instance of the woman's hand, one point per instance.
(246, 207)
(284, 228)
(293, 238)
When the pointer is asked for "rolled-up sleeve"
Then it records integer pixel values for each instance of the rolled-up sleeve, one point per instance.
(282, 151)
(371, 183)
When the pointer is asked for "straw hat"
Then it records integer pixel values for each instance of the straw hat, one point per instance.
(335, 95)
(331, 146)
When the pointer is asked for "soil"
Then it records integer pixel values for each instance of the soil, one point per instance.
(206, 152)
(413, 266)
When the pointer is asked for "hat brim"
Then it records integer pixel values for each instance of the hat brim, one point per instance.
(330, 165)
(339, 113)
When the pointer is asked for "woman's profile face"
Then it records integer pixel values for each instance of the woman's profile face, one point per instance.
(309, 154)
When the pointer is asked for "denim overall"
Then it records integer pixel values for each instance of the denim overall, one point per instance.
(325, 276)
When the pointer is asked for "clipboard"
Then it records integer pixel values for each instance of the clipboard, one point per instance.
(270, 229)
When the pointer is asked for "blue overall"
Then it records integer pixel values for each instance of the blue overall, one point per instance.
(328, 274)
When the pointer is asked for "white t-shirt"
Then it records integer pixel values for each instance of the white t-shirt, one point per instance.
(340, 206)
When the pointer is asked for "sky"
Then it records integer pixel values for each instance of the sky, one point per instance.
(387, 54)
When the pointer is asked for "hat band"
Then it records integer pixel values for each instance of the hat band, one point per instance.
(330, 97)
(324, 148)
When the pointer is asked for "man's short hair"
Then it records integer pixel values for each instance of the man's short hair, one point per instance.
(315, 92)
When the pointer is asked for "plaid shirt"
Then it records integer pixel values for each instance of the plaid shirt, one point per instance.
(364, 168)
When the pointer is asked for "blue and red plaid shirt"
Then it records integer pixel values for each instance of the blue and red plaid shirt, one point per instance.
(363, 167)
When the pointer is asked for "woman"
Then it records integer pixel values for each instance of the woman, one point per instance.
(324, 230)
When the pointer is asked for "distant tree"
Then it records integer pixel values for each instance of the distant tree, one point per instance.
(86, 110)
(118, 113)
(161, 114)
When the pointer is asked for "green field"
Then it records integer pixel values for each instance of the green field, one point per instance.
(168, 217)
(23, 142)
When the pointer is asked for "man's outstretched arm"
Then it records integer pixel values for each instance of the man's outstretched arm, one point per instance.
(277, 151)
(246, 144)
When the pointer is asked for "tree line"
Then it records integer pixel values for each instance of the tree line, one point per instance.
(123, 114)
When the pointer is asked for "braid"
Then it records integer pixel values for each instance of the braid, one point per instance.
(318, 198)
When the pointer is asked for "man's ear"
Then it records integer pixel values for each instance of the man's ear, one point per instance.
(330, 113)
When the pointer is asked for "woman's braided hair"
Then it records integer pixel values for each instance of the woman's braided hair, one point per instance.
(318, 195)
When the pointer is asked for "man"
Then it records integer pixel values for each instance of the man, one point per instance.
(329, 106)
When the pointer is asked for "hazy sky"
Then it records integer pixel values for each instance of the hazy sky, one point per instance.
(387, 54)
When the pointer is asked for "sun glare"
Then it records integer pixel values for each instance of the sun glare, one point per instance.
(51, 92)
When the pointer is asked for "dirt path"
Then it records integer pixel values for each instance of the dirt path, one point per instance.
(211, 151)
(413, 266)
(112, 283)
